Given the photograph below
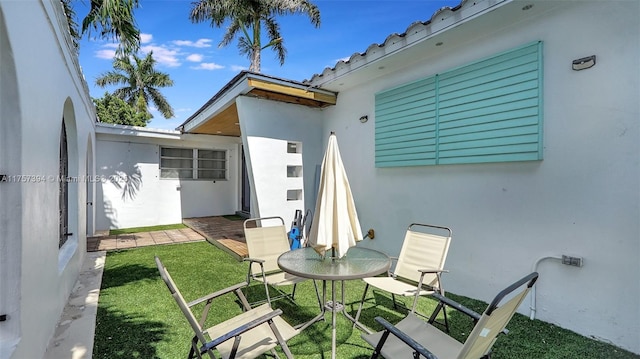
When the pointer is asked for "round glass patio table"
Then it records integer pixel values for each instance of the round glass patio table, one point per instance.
(357, 263)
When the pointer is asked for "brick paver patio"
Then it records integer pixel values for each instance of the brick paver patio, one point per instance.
(225, 233)
(124, 241)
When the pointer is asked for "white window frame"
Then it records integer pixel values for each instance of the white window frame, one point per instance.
(195, 168)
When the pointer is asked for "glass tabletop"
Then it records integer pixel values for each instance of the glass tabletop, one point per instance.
(357, 263)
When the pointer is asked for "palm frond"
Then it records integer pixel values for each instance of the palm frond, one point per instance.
(160, 102)
(273, 29)
(246, 15)
(114, 19)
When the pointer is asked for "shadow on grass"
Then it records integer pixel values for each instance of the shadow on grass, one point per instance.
(120, 335)
(380, 305)
(124, 274)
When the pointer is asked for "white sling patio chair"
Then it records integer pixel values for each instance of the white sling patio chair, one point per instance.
(245, 336)
(418, 267)
(412, 337)
(265, 243)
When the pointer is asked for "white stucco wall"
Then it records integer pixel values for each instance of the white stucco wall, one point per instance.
(40, 84)
(583, 199)
(146, 199)
(266, 128)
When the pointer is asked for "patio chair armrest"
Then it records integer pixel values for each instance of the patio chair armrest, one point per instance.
(239, 330)
(257, 260)
(457, 306)
(217, 294)
(417, 347)
(462, 309)
(433, 270)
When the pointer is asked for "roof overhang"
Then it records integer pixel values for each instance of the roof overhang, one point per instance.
(449, 27)
(219, 115)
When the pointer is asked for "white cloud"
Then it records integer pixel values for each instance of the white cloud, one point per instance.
(208, 66)
(105, 54)
(163, 55)
(195, 58)
(107, 51)
(198, 43)
(238, 68)
(145, 38)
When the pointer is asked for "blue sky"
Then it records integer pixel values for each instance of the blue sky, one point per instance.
(189, 52)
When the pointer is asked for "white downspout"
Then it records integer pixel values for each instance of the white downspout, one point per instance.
(533, 289)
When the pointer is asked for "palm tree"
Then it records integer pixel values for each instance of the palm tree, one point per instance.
(248, 17)
(141, 82)
(111, 19)
(71, 20)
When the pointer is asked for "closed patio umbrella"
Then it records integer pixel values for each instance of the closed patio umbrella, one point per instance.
(335, 221)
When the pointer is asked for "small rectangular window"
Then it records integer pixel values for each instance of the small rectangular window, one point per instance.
(294, 147)
(294, 195)
(294, 171)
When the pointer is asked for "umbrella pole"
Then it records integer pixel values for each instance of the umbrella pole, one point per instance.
(333, 319)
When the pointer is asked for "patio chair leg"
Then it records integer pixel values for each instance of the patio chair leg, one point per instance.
(446, 320)
(194, 350)
(266, 289)
(315, 285)
(432, 318)
(364, 295)
(395, 305)
(281, 341)
(378, 348)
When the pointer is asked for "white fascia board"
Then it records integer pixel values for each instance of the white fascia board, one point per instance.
(121, 132)
(135, 131)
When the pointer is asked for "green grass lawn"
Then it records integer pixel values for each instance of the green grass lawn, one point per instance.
(137, 317)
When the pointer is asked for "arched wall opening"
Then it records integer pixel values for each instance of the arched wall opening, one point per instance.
(70, 245)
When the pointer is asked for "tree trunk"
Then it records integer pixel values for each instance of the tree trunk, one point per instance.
(255, 60)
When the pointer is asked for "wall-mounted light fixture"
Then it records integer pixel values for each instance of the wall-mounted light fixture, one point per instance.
(584, 63)
(364, 118)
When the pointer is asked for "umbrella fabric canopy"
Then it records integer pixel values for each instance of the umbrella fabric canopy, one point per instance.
(335, 221)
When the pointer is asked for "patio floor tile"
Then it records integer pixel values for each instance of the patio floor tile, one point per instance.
(225, 233)
(228, 234)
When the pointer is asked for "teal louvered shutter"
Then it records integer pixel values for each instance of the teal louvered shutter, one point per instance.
(406, 125)
(488, 111)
